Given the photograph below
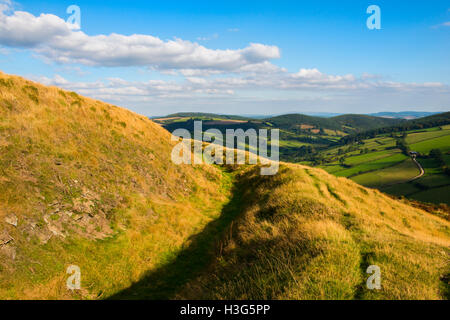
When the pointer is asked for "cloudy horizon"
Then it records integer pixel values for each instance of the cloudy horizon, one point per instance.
(242, 64)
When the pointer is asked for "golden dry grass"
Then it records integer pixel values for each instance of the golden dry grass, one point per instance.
(56, 147)
(301, 234)
(305, 234)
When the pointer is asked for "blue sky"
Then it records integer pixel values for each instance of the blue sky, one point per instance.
(309, 55)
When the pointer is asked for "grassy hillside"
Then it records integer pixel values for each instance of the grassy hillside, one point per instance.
(92, 185)
(89, 184)
(304, 234)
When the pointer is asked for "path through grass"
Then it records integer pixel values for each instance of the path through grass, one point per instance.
(164, 282)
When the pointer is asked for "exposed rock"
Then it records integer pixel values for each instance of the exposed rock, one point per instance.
(12, 220)
(5, 238)
(68, 213)
(44, 235)
(6, 247)
(83, 206)
(8, 251)
(56, 231)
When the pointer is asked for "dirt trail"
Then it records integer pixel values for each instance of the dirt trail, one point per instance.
(422, 171)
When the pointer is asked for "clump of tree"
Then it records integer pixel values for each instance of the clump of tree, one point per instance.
(438, 156)
(402, 145)
(416, 124)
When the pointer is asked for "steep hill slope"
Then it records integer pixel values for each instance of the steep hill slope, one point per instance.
(89, 184)
(304, 234)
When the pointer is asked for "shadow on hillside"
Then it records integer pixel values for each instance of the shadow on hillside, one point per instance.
(164, 282)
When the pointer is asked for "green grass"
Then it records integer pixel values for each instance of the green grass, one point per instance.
(382, 163)
(402, 172)
(368, 157)
(442, 143)
(413, 138)
(435, 195)
(401, 189)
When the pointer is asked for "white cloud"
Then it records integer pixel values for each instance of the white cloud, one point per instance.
(214, 36)
(22, 29)
(51, 37)
(306, 80)
(261, 94)
(203, 76)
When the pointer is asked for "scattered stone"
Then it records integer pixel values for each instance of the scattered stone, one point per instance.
(12, 220)
(5, 238)
(55, 231)
(68, 213)
(44, 236)
(8, 251)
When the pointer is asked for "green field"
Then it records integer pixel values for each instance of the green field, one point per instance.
(356, 160)
(442, 143)
(381, 165)
(399, 173)
(423, 136)
(435, 195)
(374, 165)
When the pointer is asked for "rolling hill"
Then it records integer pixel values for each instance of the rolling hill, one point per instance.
(346, 123)
(404, 114)
(86, 183)
(350, 123)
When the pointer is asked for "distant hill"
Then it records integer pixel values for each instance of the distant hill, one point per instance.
(408, 115)
(362, 122)
(345, 123)
(205, 115)
(348, 122)
(434, 120)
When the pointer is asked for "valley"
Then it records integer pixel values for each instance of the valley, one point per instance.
(372, 151)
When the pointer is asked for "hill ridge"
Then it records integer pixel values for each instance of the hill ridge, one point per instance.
(89, 184)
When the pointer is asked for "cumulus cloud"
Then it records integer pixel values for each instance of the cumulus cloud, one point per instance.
(200, 75)
(232, 94)
(53, 38)
(306, 80)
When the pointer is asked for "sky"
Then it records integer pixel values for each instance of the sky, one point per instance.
(235, 57)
